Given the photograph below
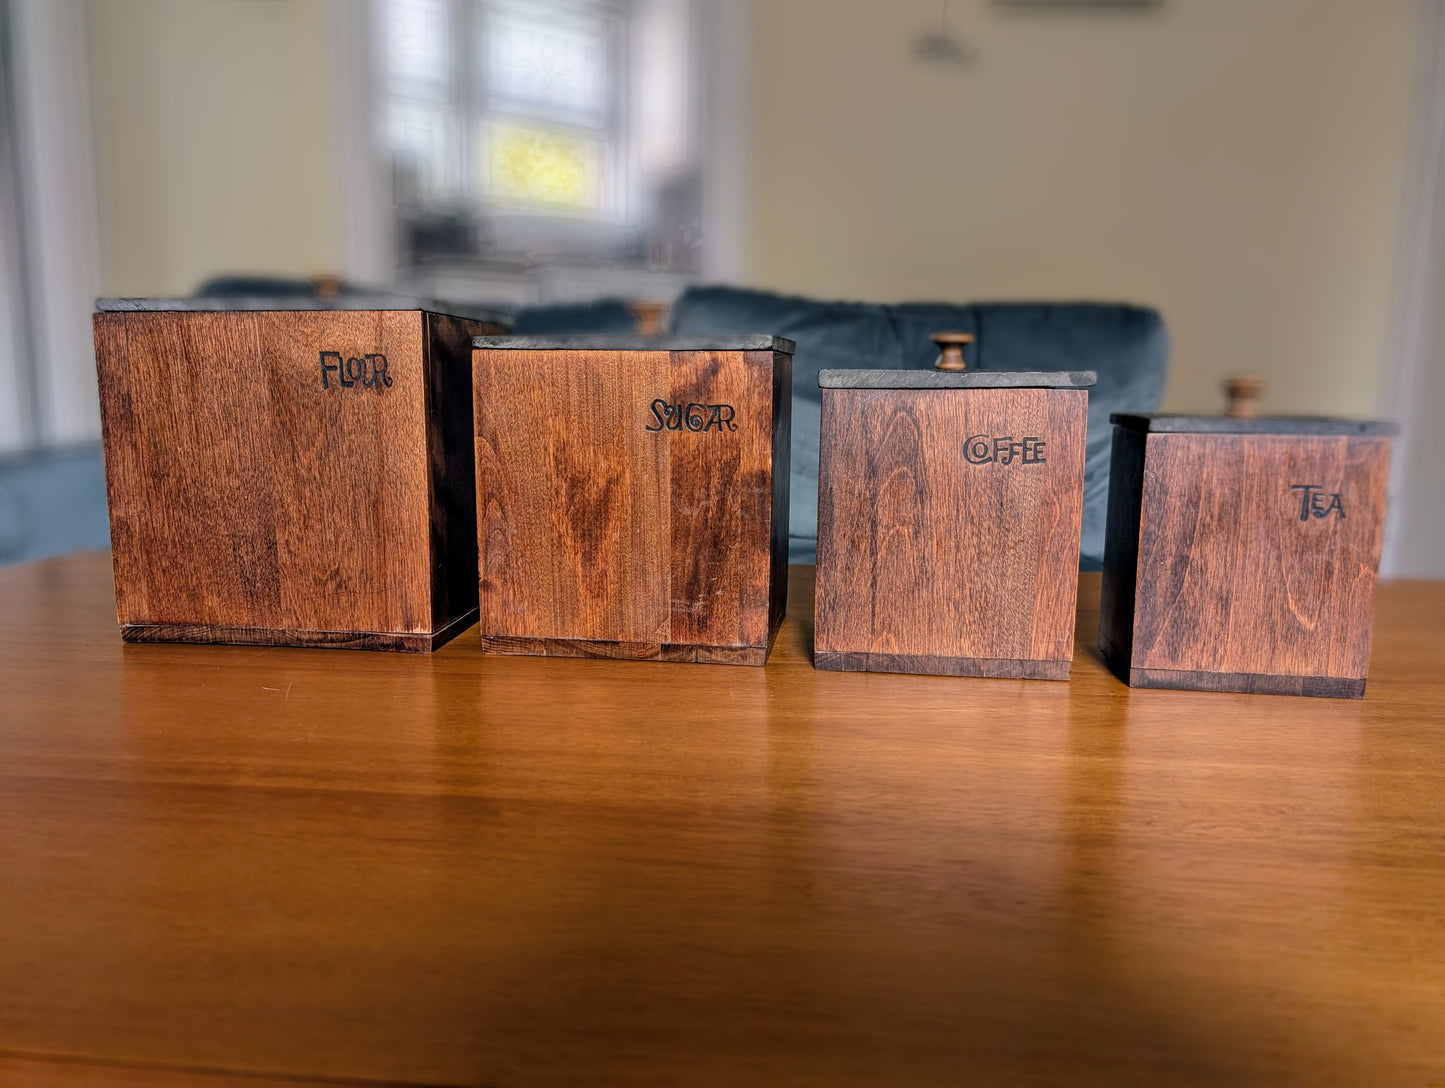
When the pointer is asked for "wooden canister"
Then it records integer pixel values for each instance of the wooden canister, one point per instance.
(1241, 552)
(292, 472)
(949, 505)
(632, 497)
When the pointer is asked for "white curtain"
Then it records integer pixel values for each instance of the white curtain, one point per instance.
(49, 228)
(18, 415)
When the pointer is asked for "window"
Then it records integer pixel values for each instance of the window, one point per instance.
(513, 105)
(532, 132)
(548, 135)
(416, 34)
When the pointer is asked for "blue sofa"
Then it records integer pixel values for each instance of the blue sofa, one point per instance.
(54, 501)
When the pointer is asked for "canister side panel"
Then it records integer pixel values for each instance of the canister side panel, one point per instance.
(267, 470)
(1258, 554)
(949, 521)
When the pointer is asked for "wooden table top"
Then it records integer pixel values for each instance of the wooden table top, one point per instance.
(310, 864)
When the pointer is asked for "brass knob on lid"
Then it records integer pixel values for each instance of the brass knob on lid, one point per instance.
(648, 314)
(1243, 393)
(327, 285)
(952, 345)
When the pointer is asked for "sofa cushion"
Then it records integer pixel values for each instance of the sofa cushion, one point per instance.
(52, 501)
(844, 335)
(1126, 345)
(604, 315)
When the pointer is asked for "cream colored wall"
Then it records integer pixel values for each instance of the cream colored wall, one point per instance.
(1236, 163)
(215, 132)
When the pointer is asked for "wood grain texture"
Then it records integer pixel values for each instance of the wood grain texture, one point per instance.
(594, 528)
(245, 495)
(231, 866)
(290, 636)
(624, 651)
(572, 493)
(1331, 687)
(992, 668)
(1235, 589)
(720, 498)
(924, 556)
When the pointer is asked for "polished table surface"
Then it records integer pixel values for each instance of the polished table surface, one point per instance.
(378, 868)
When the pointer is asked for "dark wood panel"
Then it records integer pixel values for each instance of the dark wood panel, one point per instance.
(1231, 579)
(1056, 524)
(984, 667)
(628, 497)
(720, 503)
(923, 553)
(129, 525)
(1262, 683)
(782, 478)
(1121, 549)
(193, 503)
(572, 491)
(451, 464)
(873, 534)
(624, 651)
(572, 647)
(349, 479)
(255, 482)
(408, 642)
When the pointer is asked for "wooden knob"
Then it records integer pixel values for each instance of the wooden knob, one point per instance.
(952, 345)
(327, 285)
(648, 314)
(1243, 392)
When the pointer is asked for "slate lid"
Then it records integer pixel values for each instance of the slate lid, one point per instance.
(260, 303)
(956, 379)
(633, 342)
(1164, 423)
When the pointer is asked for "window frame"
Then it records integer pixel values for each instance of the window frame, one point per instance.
(467, 112)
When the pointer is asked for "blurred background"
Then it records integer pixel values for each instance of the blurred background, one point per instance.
(1264, 173)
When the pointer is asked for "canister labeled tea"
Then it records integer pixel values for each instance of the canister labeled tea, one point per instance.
(1241, 553)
